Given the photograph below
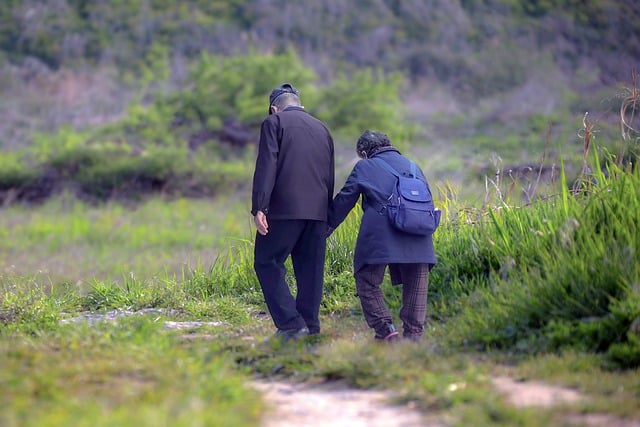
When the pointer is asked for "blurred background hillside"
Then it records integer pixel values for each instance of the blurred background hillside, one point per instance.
(464, 85)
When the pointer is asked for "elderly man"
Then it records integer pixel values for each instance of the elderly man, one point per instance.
(292, 188)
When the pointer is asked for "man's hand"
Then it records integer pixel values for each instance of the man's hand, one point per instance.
(261, 223)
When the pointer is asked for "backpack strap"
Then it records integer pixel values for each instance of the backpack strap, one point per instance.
(388, 167)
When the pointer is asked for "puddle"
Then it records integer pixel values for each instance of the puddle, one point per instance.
(114, 315)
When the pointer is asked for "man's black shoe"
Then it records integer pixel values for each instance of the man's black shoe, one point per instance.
(292, 334)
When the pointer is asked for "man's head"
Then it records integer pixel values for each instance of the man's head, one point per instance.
(282, 96)
(370, 142)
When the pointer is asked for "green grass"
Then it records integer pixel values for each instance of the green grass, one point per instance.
(547, 291)
(68, 240)
(133, 372)
(129, 373)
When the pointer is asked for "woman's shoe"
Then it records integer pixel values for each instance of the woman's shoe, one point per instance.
(388, 334)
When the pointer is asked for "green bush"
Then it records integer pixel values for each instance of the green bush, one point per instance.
(99, 171)
(128, 174)
(237, 88)
(365, 99)
(173, 144)
(14, 174)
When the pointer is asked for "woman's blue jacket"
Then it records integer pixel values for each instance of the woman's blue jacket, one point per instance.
(378, 241)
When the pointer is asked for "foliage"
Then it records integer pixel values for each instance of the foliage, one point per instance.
(123, 30)
(227, 90)
(29, 311)
(398, 34)
(365, 100)
(13, 174)
(238, 87)
(192, 142)
(104, 171)
(231, 274)
(341, 244)
(166, 54)
(563, 269)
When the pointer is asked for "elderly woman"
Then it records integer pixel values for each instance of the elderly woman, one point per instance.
(409, 256)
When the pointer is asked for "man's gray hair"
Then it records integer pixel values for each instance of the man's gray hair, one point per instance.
(285, 99)
(370, 142)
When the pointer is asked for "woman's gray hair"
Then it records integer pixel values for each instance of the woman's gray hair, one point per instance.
(370, 142)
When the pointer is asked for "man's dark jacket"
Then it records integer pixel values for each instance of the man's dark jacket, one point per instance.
(294, 175)
(379, 242)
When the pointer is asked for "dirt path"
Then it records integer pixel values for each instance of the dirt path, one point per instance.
(333, 404)
(534, 393)
(294, 405)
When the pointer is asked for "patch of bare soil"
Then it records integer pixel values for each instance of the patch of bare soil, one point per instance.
(534, 393)
(331, 404)
(599, 420)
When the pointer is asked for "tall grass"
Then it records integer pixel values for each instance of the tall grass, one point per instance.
(562, 272)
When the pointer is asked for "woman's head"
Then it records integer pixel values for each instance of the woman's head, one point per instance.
(370, 142)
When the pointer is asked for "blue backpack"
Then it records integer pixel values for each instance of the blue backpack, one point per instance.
(410, 207)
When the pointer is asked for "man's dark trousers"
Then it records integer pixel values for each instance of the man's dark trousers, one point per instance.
(305, 241)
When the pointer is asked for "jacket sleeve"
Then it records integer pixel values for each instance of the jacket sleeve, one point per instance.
(264, 176)
(331, 175)
(345, 200)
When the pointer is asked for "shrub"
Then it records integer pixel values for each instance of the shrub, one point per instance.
(366, 99)
(14, 174)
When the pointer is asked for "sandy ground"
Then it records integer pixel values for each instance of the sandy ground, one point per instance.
(294, 405)
(533, 393)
